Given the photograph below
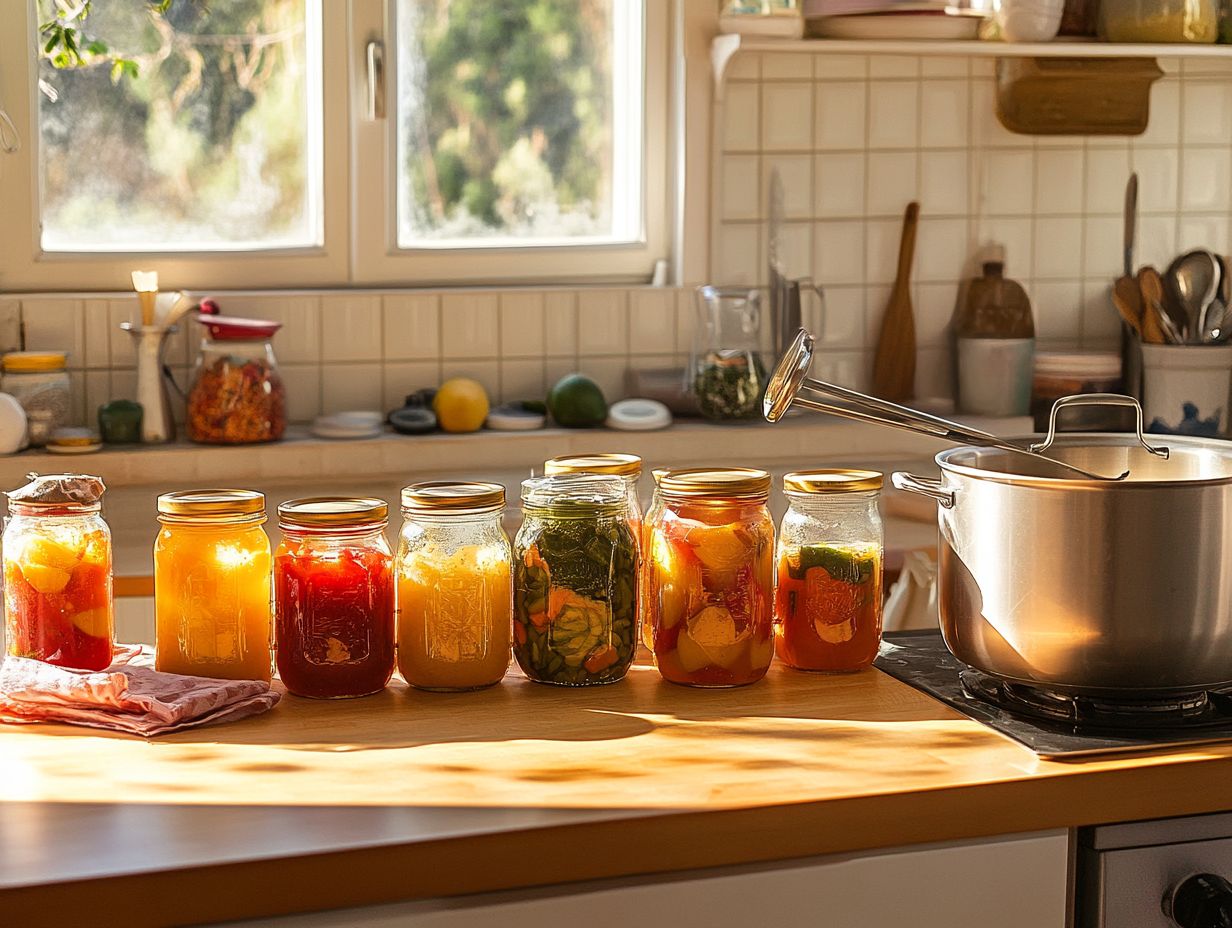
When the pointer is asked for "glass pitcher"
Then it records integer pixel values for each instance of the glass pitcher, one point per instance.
(726, 372)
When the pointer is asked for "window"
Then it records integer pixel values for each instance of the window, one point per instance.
(285, 143)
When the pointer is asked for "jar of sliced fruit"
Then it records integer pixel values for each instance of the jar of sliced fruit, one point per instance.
(57, 573)
(711, 577)
(455, 596)
(828, 603)
(575, 581)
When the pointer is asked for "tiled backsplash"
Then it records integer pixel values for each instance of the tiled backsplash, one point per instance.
(856, 138)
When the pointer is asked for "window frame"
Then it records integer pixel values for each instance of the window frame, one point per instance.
(358, 181)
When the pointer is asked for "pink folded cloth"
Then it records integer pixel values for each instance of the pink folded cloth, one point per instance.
(125, 697)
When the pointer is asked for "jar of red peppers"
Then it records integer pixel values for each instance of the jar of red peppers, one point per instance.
(237, 395)
(334, 597)
(711, 577)
(828, 605)
(57, 573)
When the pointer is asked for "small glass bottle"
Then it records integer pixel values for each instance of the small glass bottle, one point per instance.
(711, 578)
(58, 605)
(334, 597)
(575, 581)
(212, 585)
(828, 604)
(455, 587)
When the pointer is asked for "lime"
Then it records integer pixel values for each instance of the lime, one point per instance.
(577, 402)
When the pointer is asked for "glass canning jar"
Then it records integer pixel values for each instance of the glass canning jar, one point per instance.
(334, 597)
(628, 467)
(1160, 21)
(237, 394)
(212, 585)
(39, 382)
(828, 605)
(455, 586)
(58, 603)
(575, 581)
(711, 577)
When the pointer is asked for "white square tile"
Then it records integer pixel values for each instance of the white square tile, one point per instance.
(560, 323)
(983, 68)
(1101, 326)
(351, 386)
(894, 66)
(1057, 306)
(738, 260)
(796, 176)
(399, 379)
(77, 398)
(10, 325)
(609, 374)
(786, 123)
(652, 321)
(123, 353)
(1107, 173)
(97, 393)
(1206, 112)
(934, 372)
(945, 109)
(986, 129)
(522, 380)
(1007, 182)
(876, 299)
(124, 386)
(892, 182)
(840, 185)
(1016, 237)
(1197, 67)
(1158, 175)
(846, 368)
(943, 247)
(470, 325)
(795, 248)
(303, 383)
(944, 180)
(522, 324)
(350, 328)
(554, 369)
(1058, 248)
(745, 66)
(882, 240)
(1103, 243)
(1205, 179)
(842, 320)
(603, 323)
(786, 66)
(1156, 241)
(1164, 125)
(299, 339)
(738, 195)
(97, 335)
(943, 67)
(487, 373)
(934, 309)
(1207, 232)
(841, 114)
(1060, 175)
(838, 253)
(55, 325)
(841, 67)
(1061, 141)
(893, 114)
(741, 115)
(412, 326)
(686, 318)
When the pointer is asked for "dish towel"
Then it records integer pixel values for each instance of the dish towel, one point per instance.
(125, 697)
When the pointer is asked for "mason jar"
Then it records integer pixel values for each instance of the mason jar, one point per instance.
(828, 604)
(212, 613)
(237, 394)
(575, 581)
(711, 577)
(455, 586)
(628, 467)
(39, 381)
(58, 605)
(334, 597)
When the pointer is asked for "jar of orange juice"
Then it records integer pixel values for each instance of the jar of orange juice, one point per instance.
(455, 586)
(212, 585)
(711, 577)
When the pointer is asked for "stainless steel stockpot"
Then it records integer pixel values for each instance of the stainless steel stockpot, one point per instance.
(1121, 588)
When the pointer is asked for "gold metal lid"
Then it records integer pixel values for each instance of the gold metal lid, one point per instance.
(832, 480)
(211, 504)
(616, 465)
(30, 362)
(716, 482)
(332, 512)
(444, 496)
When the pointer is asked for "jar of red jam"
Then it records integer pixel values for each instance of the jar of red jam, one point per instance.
(334, 597)
(57, 573)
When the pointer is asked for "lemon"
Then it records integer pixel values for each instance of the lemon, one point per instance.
(95, 622)
(44, 579)
(461, 405)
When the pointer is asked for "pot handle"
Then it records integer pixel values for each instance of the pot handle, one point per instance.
(924, 486)
(1097, 399)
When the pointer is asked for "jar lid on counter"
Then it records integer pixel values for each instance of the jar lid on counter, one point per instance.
(618, 465)
(452, 496)
(1096, 365)
(34, 362)
(727, 483)
(832, 480)
(332, 512)
(578, 494)
(193, 505)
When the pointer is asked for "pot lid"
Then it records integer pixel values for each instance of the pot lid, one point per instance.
(236, 328)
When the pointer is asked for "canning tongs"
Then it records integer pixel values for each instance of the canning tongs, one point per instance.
(790, 385)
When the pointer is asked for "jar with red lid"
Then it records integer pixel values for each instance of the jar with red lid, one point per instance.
(237, 395)
(334, 597)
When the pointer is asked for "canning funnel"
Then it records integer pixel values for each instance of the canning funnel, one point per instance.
(790, 386)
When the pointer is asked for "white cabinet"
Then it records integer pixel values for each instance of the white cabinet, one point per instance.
(1012, 882)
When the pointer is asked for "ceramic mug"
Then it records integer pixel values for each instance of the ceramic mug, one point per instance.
(1186, 389)
(1029, 20)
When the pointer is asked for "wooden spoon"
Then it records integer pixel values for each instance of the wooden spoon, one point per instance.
(1127, 298)
(894, 360)
(1154, 316)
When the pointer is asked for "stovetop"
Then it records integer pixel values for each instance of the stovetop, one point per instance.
(1053, 726)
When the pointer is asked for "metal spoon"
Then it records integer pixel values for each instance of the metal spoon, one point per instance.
(1193, 280)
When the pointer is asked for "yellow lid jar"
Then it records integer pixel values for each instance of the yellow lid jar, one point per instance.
(39, 382)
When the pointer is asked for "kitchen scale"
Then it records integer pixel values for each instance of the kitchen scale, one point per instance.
(1056, 726)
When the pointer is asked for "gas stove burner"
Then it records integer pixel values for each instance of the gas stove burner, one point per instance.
(1200, 709)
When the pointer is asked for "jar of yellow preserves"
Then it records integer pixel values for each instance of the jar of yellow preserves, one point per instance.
(455, 587)
(212, 585)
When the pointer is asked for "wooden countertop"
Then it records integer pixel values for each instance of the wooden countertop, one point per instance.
(414, 795)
